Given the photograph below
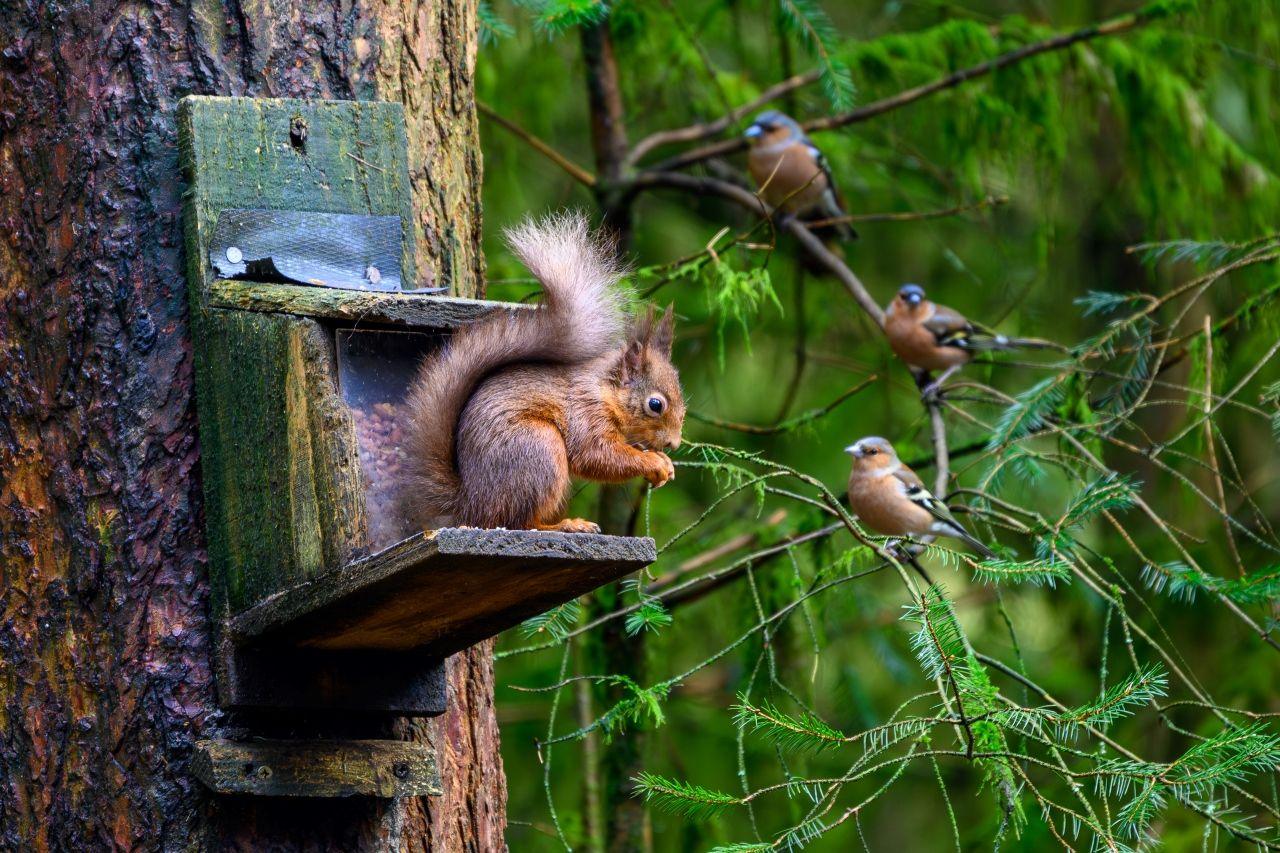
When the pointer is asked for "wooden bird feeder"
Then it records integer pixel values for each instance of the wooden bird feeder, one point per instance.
(307, 327)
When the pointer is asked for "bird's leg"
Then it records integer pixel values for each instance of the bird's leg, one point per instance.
(902, 551)
(933, 390)
(915, 564)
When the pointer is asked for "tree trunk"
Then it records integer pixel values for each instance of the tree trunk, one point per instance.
(104, 642)
(612, 767)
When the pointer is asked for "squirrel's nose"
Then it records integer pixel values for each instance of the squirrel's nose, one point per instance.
(673, 443)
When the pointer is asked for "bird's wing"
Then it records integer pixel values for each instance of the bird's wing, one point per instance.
(949, 327)
(947, 524)
(910, 479)
(820, 160)
(833, 202)
(914, 489)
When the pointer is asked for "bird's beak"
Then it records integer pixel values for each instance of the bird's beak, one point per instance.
(752, 132)
(852, 450)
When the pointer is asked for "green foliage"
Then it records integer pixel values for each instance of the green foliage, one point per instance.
(650, 616)
(1119, 700)
(736, 297)
(1230, 756)
(1204, 253)
(1029, 413)
(557, 622)
(1034, 572)
(1182, 582)
(938, 642)
(1271, 397)
(558, 16)
(681, 798)
(1165, 135)
(1111, 492)
(807, 20)
(492, 27)
(1098, 302)
(804, 732)
(644, 705)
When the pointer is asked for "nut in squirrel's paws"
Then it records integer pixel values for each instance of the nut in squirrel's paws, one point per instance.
(661, 469)
(573, 525)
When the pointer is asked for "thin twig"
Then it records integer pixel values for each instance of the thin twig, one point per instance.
(704, 130)
(790, 423)
(911, 215)
(793, 226)
(1210, 442)
(575, 171)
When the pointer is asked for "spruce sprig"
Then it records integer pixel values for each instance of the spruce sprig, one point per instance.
(683, 798)
(1119, 700)
(791, 733)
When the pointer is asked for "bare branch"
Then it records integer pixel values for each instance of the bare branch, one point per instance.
(912, 215)
(812, 244)
(575, 171)
(910, 96)
(790, 423)
(704, 130)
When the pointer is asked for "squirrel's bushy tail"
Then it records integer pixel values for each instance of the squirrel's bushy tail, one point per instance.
(583, 316)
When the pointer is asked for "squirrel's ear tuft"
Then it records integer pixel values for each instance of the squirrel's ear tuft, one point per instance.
(642, 327)
(664, 334)
(653, 332)
(630, 363)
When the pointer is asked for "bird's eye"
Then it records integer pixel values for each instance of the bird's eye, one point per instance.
(871, 451)
(655, 405)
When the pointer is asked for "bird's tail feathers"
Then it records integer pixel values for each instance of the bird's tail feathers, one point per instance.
(986, 340)
(975, 543)
(1032, 343)
(949, 527)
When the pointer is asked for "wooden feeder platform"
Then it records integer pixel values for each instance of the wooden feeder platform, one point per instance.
(440, 592)
(371, 635)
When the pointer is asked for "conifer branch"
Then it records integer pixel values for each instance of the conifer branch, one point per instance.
(1112, 27)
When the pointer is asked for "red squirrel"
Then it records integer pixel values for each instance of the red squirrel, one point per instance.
(517, 403)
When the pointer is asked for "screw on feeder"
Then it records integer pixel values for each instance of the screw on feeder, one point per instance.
(400, 769)
(298, 132)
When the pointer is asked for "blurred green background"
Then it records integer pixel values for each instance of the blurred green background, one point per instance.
(1167, 131)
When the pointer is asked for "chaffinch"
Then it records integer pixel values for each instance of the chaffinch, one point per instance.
(890, 498)
(928, 336)
(791, 172)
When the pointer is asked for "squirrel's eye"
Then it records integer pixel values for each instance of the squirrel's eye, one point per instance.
(655, 405)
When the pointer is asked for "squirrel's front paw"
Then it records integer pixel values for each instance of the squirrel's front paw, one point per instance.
(660, 469)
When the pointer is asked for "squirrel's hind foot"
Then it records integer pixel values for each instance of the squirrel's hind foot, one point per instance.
(571, 525)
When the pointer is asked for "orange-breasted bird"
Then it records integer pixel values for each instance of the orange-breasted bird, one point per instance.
(891, 499)
(931, 337)
(791, 172)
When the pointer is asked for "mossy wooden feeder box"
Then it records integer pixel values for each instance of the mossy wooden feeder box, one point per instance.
(321, 602)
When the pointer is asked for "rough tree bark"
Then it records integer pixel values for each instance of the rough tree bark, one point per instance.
(104, 654)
